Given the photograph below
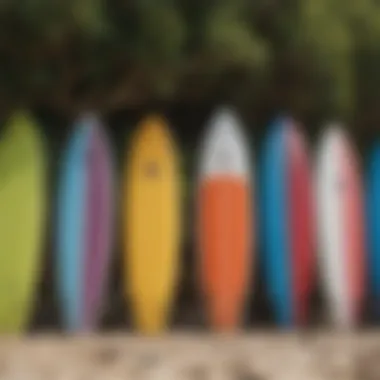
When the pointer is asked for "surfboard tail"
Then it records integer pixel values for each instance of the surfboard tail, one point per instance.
(225, 312)
(14, 317)
(150, 315)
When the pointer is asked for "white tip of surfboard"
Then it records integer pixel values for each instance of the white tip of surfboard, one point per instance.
(336, 137)
(224, 150)
(334, 132)
(332, 139)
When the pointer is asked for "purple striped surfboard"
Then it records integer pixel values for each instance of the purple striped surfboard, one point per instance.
(85, 225)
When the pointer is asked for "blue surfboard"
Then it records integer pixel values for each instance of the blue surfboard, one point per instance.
(70, 228)
(373, 224)
(274, 228)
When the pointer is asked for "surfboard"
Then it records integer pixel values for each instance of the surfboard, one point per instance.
(340, 219)
(152, 224)
(85, 224)
(22, 219)
(287, 216)
(300, 195)
(373, 225)
(225, 234)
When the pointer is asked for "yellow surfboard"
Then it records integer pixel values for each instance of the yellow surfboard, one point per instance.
(22, 216)
(152, 225)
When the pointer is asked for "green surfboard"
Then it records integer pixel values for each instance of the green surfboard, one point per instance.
(22, 219)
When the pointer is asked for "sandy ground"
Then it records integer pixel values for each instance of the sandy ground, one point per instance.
(253, 356)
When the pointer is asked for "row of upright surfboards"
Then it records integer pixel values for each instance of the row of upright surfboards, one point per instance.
(304, 213)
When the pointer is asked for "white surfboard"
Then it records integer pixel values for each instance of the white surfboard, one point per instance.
(340, 223)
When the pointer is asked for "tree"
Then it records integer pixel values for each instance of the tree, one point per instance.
(308, 56)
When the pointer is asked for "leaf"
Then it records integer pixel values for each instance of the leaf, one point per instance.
(328, 38)
(230, 38)
(90, 17)
(161, 34)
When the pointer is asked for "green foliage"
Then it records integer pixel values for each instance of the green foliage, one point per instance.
(162, 33)
(230, 40)
(120, 52)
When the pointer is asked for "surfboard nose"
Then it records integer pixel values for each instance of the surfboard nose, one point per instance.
(224, 146)
(153, 127)
(223, 126)
(153, 136)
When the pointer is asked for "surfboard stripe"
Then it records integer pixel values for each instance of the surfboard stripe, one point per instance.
(71, 224)
(353, 220)
(98, 224)
(373, 224)
(224, 275)
(301, 223)
(330, 224)
(277, 233)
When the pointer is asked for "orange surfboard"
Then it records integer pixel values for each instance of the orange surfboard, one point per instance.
(224, 221)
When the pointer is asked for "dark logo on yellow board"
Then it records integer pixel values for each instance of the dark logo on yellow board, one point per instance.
(152, 170)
